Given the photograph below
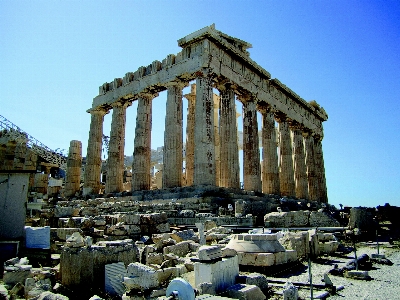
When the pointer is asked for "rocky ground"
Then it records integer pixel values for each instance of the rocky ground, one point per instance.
(384, 283)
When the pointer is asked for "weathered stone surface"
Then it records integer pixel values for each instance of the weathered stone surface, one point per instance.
(255, 243)
(114, 274)
(361, 217)
(290, 292)
(184, 235)
(287, 219)
(74, 166)
(75, 240)
(298, 241)
(51, 296)
(94, 148)
(208, 253)
(255, 279)
(180, 249)
(251, 150)
(245, 292)
(140, 276)
(221, 274)
(81, 267)
(321, 219)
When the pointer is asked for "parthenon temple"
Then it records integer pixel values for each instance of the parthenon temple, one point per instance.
(292, 167)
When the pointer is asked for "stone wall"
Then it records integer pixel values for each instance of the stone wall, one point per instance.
(83, 267)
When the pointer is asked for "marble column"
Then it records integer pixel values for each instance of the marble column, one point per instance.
(173, 138)
(93, 156)
(229, 150)
(286, 171)
(251, 150)
(204, 139)
(299, 162)
(189, 153)
(115, 162)
(217, 143)
(270, 167)
(320, 170)
(74, 166)
(313, 193)
(142, 145)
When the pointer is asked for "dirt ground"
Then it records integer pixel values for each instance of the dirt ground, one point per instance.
(384, 283)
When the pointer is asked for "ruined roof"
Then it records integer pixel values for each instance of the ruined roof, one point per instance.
(211, 32)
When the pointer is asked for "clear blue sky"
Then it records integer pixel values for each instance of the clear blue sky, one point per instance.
(54, 55)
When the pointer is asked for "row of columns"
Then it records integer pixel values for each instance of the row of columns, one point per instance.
(212, 156)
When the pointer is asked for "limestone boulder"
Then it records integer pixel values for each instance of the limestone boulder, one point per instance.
(298, 241)
(246, 292)
(180, 249)
(184, 235)
(140, 276)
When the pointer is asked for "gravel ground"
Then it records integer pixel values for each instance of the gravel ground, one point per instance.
(385, 283)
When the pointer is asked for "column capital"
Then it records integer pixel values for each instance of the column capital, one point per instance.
(307, 132)
(246, 97)
(148, 95)
(264, 108)
(123, 104)
(98, 111)
(294, 125)
(205, 72)
(225, 84)
(177, 83)
(192, 95)
(281, 117)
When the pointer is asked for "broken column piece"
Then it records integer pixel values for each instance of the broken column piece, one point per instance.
(74, 166)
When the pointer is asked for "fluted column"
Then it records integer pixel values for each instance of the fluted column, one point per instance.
(115, 163)
(189, 154)
(300, 172)
(93, 155)
(217, 143)
(251, 150)
(173, 137)
(204, 140)
(313, 193)
(320, 170)
(270, 168)
(142, 144)
(286, 171)
(74, 165)
(229, 151)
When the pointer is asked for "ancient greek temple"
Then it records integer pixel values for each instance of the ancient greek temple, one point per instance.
(292, 167)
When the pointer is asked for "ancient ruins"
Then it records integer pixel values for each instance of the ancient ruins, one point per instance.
(77, 227)
(214, 60)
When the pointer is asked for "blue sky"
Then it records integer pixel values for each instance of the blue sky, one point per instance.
(54, 55)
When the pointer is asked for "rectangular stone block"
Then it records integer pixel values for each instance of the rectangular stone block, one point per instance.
(114, 274)
(265, 259)
(221, 274)
(140, 276)
(247, 259)
(280, 258)
(37, 237)
(291, 255)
